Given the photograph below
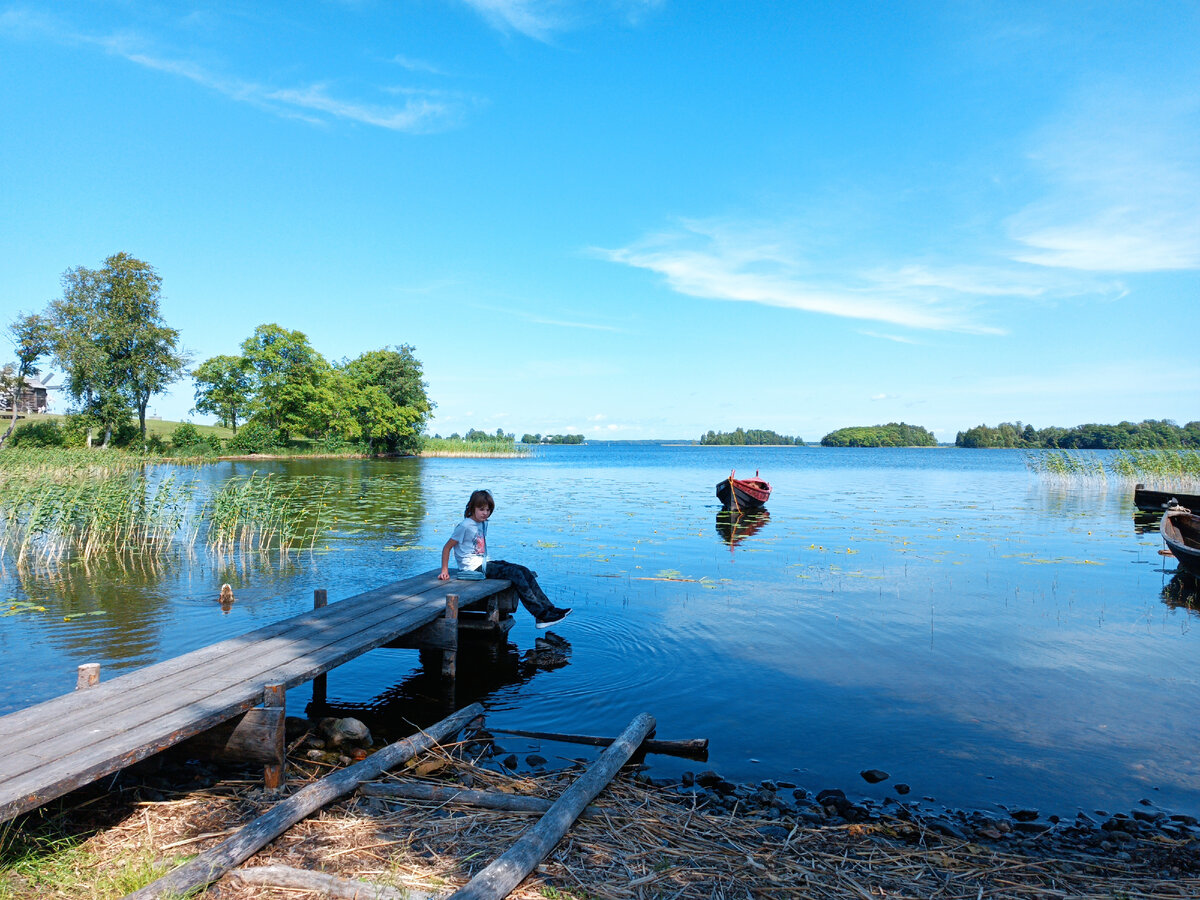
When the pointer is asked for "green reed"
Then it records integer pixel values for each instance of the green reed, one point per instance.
(256, 512)
(51, 513)
(84, 504)
(457, 447)
(1169, 469)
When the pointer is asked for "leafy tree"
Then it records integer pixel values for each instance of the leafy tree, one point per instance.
(528, 438)
(287, 374)
(109, 338)
(389, 397)
(223, 388)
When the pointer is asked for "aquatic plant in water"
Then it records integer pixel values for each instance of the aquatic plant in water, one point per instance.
(257, 512)
(1170, 469)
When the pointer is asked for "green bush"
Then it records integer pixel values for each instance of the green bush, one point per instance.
(188, 440)
(38, 434)
(253, 437)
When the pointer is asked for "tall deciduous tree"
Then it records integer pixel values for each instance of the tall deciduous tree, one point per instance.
(287, 375)
(397, 418)
(31, 340)
(111, 341)
(224, 388)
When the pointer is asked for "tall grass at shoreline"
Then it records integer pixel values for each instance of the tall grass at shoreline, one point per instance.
(80, 505)
(1163, 469)
(435, 446)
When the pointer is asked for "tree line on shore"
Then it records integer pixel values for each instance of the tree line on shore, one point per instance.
(107, 335)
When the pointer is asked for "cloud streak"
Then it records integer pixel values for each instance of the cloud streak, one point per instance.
(542, 19)
(755, 265)
(1122, 177)
(421, 112)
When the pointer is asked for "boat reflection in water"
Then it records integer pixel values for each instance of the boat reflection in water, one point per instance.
(1183, 592)
(734, 527)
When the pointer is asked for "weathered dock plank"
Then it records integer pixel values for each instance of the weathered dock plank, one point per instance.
(56, 746)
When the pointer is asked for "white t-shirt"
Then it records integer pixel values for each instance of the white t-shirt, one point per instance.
(471, 550)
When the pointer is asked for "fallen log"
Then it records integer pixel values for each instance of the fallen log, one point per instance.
(499, 878)
(215, 862)
(438, 794)
(330, 886)
(695, 748)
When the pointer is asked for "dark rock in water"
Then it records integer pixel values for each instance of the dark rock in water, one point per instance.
(902, 788)
(1186, 820)
(687, 778)
(774, 832)
(831, 794)
(348, 731)
(1143, 816)
(534, 760)
(510, 761)
(874, 776)
(1031, 827)
(1024, 815)
(708, 778)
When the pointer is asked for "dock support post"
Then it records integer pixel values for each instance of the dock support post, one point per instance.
(88, 676)
(320, 684)
(450, 657)
(274, 699)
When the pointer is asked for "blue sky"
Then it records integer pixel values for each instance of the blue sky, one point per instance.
(638, 218)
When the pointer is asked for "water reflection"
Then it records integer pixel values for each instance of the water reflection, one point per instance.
(484, 668)
(734, 527)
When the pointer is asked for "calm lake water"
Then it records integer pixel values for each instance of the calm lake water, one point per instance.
(939, 614)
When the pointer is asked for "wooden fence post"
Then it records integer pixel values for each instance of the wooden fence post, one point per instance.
(320, 684)
(87, 676)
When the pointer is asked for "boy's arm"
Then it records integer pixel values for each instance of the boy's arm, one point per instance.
(444, 575)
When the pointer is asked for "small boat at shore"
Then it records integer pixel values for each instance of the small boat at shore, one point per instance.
(1157, 501)
(1180, 530)
(743, 494)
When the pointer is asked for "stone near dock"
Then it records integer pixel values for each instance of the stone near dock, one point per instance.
(342, 732)
(874, 776)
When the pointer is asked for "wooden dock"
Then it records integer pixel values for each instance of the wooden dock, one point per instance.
(54, 747)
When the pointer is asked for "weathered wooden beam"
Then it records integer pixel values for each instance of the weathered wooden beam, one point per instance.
(450, 657)
(693, 748)
(434, 793)
(210, 865)
(251, 737)
(502, 876)
(330, 886)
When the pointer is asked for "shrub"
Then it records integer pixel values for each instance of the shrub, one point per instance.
(38, 434)
(253, 437)
(188, 440)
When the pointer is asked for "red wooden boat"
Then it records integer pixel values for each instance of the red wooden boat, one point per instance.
(743, 494)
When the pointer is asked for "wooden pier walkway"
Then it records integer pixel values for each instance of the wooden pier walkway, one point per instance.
(56, 746)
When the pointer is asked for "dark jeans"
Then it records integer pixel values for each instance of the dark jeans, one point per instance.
(533, 598)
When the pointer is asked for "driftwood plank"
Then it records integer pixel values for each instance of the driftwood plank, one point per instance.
(212, 864)
(499, 878)
(435, 793)
(323, 885)
(691, 748)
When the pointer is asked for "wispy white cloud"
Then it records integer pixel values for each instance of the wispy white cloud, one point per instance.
(541, 19)
(756, 265)
(1123, 187)
(416, 65)
(889, 337)
(422, 111)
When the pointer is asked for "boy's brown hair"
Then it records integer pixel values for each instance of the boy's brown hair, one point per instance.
(479, 498)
